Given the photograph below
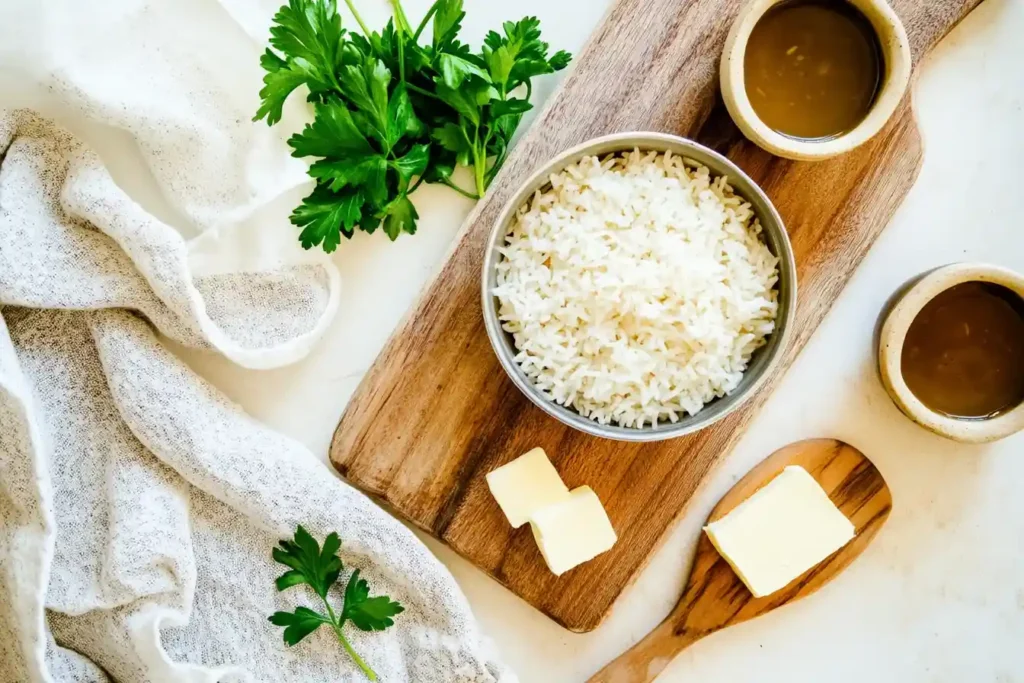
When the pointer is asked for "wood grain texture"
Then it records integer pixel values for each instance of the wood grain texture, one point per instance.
(715, 598)
(436, 412)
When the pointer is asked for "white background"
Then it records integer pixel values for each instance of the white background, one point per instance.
(940, 594)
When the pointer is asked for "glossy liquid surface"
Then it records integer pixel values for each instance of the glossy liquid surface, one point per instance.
(964, 352)
(812, 68)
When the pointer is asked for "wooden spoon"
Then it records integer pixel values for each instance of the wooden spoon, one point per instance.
(715, 597)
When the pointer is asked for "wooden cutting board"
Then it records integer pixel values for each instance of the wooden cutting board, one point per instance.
(436, 412)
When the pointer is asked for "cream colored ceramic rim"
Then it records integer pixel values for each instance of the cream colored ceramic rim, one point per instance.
(898, 63)
(894, 333)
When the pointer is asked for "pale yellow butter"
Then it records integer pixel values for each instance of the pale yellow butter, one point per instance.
(574, 531)
(526, 485)
(780, 532)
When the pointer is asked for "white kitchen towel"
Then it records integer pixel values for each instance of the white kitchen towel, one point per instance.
(138, 506)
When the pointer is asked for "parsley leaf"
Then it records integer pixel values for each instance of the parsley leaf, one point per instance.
(340, 173)
(447, 21)
(352, 174)
(281, 79)
(401, 119)
(511, 107)
(452, 138)
(366, 86)
(560, 60)
(325, 216)
(413, 164)
(469, 99)
(320, 568)
(400, 216)
(299, 624)
(368, 614)
(455, 70)
(309, 34)
(499, 63)
(333, 133)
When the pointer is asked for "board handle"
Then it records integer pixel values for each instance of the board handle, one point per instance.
(928, 21)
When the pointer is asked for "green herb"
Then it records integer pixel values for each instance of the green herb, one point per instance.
(391, 113)
(319, 568)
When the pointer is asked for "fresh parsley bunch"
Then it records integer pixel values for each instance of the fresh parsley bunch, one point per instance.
(391, 113)
(319, 568)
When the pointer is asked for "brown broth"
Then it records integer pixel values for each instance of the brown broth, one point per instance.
(812, 68)
(964, 352)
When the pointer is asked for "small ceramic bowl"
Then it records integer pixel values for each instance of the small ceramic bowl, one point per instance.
(906, 305)
(896, 55)
(764, 360)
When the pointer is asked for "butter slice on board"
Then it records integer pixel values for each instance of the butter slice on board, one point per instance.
(573, 531)
(780, 532)
(526, 485)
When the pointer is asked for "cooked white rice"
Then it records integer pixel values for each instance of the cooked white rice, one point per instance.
(636, 288)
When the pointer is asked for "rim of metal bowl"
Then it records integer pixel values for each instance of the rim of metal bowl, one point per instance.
(765, 360)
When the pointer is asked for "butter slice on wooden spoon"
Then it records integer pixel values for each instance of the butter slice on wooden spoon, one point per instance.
(715, 597)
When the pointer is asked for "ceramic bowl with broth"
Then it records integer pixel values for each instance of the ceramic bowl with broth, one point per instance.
(951, 351)
(811, 79)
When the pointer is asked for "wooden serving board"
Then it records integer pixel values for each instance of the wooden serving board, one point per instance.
(436, 412)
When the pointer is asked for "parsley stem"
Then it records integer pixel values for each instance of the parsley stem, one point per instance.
(401, 49)
(493, 171)
(400, 18)
(370, 673)
(421, 91)
(464, 193)
(359, 19)
(479, 161)
(480, 168)
(426, 18)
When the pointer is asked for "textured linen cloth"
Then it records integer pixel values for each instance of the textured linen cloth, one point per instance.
(138, 506)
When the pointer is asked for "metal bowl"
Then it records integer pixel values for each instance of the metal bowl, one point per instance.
(764, 360)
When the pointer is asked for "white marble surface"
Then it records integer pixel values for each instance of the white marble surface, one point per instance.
(939, 597)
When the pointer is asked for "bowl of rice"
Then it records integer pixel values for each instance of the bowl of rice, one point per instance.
(639, 287)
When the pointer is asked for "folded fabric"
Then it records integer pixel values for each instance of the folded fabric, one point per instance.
(138, 506)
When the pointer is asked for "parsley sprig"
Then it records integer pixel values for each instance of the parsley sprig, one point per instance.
(319, 568)
(391, 112)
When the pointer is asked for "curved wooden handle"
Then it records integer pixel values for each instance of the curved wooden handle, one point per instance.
(648, 658)
(715, 598)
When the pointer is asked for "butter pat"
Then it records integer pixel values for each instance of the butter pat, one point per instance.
(573, 531)
(526, 485)
(780, 532)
